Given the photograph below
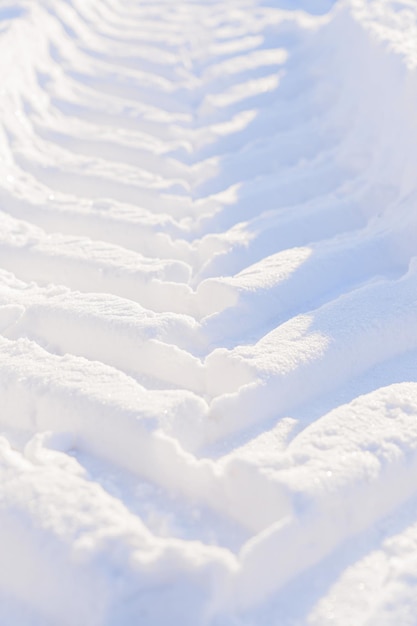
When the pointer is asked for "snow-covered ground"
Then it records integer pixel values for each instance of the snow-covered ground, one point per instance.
(208, 313)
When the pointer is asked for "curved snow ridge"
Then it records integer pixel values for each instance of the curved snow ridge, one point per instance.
(333, 499)
(312, 354)
(106, 557)
(208, 312)
(139, 429)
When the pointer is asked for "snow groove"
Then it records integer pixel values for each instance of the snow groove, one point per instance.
(207, 296)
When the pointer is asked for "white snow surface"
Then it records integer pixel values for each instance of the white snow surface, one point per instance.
(208, 313)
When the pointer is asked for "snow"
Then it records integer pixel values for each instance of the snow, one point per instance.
(208, 289)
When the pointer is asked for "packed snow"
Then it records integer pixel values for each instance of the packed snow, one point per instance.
(208, 312)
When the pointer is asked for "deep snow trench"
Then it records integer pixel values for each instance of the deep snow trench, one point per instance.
(208, 313)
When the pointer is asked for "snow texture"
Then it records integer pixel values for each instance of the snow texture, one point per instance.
(208, 313)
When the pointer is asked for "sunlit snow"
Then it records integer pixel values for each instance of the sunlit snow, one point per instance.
(208, 313)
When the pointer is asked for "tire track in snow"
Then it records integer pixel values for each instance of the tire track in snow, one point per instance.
(180, 194)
